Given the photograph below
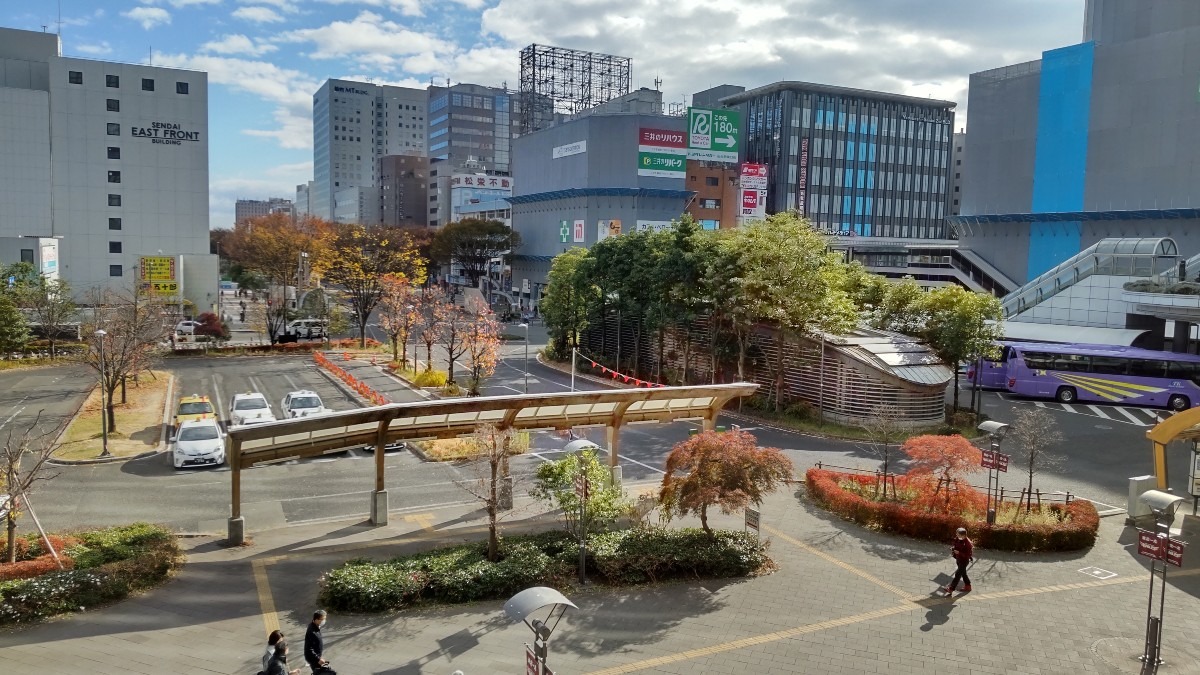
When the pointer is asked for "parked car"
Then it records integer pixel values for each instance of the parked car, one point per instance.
(186, 327)
(198, 443)
(249, 408)
(308, 328)
(303, 403)
(193, 407)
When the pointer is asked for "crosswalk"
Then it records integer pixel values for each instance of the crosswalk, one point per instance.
(1142, 417)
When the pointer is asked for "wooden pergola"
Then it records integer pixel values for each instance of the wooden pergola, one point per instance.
(382, 425)
(1182, 426)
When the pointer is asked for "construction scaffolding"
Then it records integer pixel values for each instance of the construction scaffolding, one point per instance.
(567, 81)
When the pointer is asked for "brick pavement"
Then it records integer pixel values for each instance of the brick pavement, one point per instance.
(843, 601)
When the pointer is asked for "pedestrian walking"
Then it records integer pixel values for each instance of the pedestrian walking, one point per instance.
(314, 646)
(273, 639)
(963, 552)
(278, 663)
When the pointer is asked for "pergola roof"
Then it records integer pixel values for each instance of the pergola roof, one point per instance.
(310, 436)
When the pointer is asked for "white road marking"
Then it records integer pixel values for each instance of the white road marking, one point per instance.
(1153, 414)
(1099, 412)
(1132, 418)
(1068, 407)
(15, 413)
(1039, 404)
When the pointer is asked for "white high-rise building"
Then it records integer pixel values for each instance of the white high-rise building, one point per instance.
(112, 160)
(354, 124)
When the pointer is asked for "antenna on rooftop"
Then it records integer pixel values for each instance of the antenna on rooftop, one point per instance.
(658, 83)
(59, 18)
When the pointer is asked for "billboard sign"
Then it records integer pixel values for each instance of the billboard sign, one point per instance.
(607, 228)
(576, 148)
(157, 275)
(754, 204)
(802, 183)
(713, 134)
(662, 153)
(653, 225)
(754, 176)
(580, 235)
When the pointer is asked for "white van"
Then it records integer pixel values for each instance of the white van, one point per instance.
(308, 328)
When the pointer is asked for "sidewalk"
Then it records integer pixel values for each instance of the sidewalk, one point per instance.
(843, 601)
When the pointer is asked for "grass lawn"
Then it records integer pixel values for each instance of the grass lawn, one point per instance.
(139, 421)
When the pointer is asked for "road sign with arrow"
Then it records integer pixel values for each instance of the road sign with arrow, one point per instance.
(713, 134)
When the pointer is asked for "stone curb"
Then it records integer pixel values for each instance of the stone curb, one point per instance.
(162, 436)
(341, 386)
(409, 385)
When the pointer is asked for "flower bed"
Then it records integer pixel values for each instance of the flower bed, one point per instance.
(102, 566)
(1058, 527)
(463, 574)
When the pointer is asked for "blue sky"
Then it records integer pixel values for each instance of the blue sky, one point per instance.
(265, 58)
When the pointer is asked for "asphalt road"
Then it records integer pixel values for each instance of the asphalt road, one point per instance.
(49, 396)
(1104, 447)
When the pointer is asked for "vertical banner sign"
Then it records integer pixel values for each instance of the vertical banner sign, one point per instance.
(713, 134)
(754, 204)
(564, 232)
(754, 176)
(580, 235)
(156, 275)
(662, 153)
(802, 184)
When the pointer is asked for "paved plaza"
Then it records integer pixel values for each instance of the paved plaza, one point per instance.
(843, 601)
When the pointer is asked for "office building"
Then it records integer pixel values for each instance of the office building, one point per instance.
(716, 204)
(303, 204)
(1092, 141)
(245, 209)
(403, 190)
(957, 169)
(110, 160)
(583, 181)
(354, 124)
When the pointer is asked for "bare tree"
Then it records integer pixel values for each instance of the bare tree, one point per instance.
(884, 431)
(22, 464)
(429, 328)
(49, 303)
(492, 482)
(132, 329)
(454, 322)
(1034, 432)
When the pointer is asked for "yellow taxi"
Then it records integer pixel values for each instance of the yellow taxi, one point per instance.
(193, 407)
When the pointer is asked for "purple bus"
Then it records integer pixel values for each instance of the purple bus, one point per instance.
(1069, 373)
(992, 372)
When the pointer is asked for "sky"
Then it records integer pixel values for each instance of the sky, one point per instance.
(266, 58)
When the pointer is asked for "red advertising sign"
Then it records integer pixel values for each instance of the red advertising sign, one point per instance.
(662, 138)
(1149, 545)
(750, 199)
(989, 459)
(754, 176)
(531, 662)
(1174, 552)
(1002, 461)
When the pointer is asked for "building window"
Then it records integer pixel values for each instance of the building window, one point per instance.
(115, 270)
(27, 255)
(113, 105)
(114, 176)
(114, 200)
(112, 81)
(710, 203)
(114, 223)
(147, 84)
(957, 176)
(956, 188)
(114, 129)
(114, 247)
(956, 202)
(114, 153)
(181, 87)
(75, 77)
(712, 181)
(957, 162)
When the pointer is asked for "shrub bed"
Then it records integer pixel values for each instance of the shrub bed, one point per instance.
(1072, 527)
(102, 566)
(463, 574)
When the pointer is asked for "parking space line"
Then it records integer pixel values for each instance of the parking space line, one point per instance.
(1099, 412)
(1132, 418)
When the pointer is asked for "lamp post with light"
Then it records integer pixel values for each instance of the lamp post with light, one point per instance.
(103, 411)
(526, 327)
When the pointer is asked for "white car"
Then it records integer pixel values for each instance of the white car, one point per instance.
(249, 408)
(186, 327)
(198, 443)
(302, 403)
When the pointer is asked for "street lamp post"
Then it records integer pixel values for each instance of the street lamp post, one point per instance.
(103, 411)
(526, 327)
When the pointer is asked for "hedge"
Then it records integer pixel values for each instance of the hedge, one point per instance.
(108, 565)
(1079, 520)
(463, 574)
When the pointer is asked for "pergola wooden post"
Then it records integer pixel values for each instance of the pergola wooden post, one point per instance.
(379, 497)
(237, 524)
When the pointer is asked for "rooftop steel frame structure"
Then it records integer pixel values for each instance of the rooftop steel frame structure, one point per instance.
(567, 81)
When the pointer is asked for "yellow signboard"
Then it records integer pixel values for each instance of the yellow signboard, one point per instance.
(157, 268)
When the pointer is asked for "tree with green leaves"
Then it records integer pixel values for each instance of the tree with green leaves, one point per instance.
(22, 275)
(359, 258)
(555, 485)
(49, 303)
(473, 243)
(568, 297)
(901, 309)
(961, 325)
(723, 469)
(14, 330)
(792, 280)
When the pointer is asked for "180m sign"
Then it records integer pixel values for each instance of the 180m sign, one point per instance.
(713, 134)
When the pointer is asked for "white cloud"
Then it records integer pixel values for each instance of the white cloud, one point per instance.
(369, 39)
(288, 6)
(257, 14)
(177, 4)
(405, 7)
(100, 49)
(149, 17)
(290, 90)
(238, 44)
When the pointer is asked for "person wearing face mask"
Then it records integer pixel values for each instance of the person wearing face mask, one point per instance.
(314, 646)
(278, 663)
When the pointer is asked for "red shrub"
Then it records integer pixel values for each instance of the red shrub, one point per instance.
(27, 569)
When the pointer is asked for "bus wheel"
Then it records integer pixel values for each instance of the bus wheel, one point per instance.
(1178, 402)
(1066, 395)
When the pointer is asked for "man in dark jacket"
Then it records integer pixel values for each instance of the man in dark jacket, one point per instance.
(314, 646)
(963, 552)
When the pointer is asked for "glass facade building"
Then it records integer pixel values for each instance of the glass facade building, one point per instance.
(854, 162)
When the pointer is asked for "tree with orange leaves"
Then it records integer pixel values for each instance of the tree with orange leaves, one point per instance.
(359, 258)
(482, 342)
(726, 469)
(940, 465)
(398, 314)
